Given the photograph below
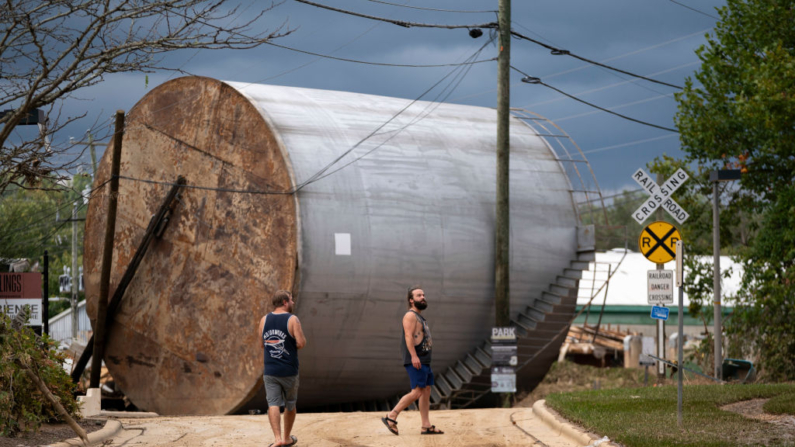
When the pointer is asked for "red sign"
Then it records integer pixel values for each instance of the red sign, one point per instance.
(20, 285)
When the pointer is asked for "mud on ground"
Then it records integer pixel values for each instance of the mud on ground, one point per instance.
(51, 433)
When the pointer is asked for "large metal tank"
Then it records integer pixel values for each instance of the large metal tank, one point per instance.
(413, 203)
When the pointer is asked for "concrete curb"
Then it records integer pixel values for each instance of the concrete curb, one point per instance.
(127, 414)
(111, 428)
(565, 428)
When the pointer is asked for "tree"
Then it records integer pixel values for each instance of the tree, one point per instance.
(34, 220)
(50, 49)
(743, 116)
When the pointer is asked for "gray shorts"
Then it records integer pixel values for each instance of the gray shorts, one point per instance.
(281, 391)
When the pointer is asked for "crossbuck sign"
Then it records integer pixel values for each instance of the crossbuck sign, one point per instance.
(660, 195)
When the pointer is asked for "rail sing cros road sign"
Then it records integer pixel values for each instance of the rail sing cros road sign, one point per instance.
(657, 242)
(660, 195)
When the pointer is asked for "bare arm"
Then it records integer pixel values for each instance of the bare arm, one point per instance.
(409, 326)
(259, 331)
(295, 329)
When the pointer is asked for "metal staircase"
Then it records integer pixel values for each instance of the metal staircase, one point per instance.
(541, 328)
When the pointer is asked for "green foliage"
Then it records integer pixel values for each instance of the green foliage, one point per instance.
(781, 404)
(745, 112)
(28, 225)
(743, 117)
(22, 407)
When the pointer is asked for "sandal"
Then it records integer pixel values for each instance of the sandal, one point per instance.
(432, 430)
(391, 424)
(294, 441)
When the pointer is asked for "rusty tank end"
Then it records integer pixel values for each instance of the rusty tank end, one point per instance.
(176, 344)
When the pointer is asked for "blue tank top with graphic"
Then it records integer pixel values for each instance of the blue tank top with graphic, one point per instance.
(281, 353)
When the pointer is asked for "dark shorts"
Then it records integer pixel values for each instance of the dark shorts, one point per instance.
(281, 391)
(422, 377)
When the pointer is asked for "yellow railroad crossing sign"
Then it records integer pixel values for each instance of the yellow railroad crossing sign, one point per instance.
(657, 242)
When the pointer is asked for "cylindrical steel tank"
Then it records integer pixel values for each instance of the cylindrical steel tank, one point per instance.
(412, 203)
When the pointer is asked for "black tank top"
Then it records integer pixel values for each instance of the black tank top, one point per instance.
(423, 348)
(281, 353)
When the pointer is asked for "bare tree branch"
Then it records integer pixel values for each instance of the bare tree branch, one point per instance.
(52, 48)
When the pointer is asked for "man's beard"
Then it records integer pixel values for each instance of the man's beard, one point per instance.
(421, 305)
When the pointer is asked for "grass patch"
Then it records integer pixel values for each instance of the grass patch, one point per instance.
(781, 404)
(647, 416)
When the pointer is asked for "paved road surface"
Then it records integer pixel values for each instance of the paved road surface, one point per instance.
(464, 428)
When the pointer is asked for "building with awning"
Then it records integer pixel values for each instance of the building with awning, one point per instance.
(625, 297)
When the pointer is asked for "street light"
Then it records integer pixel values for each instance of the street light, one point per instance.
(715, 177)
(35, 117)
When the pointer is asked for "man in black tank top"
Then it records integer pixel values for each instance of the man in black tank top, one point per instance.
(281, 336)
(415, 346)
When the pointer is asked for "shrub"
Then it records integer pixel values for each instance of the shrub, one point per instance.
(22, 407)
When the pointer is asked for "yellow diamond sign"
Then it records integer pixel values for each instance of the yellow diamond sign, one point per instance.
(657, 242)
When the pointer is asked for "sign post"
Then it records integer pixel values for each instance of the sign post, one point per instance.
(680, 340)
(504, 359)
(660, 198)
(18, 290)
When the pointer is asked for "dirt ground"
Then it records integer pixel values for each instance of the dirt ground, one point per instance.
(51, 433)
(782, 426)
(463, 428)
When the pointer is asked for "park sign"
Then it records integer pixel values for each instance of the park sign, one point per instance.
(18, 290)
(660, 196)
(504, 359)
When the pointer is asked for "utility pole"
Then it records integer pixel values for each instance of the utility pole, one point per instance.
(90, 143)
(75, 276)
(502, 292)
(107, 253)
(660, 323)
(502, 230)
(716, 281)
(45, 300)
(715, 177)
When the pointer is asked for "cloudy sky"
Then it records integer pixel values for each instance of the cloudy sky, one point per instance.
(653, 38)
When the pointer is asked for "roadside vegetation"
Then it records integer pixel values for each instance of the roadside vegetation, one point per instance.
(781, 404)
(736, 112)
(643, 417)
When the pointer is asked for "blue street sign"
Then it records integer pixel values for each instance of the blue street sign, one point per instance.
(659, 312)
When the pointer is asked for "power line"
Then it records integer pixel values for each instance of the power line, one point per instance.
(319, 58)
(435, 105)
(382, 64)
(694, 9)
(631, 143)
(631, 53)
(319, 175)
(554, 50)
(617, 84)
(42, 241)
(402, 23)
(560, 52)
(432, 9)
(533, 80)
(627, 104)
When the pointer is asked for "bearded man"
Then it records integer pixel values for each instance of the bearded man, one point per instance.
(415, 346)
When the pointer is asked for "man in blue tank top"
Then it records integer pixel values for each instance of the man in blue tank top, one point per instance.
(415, 347)
(282, 337)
